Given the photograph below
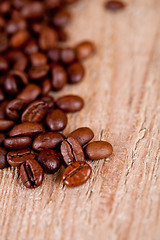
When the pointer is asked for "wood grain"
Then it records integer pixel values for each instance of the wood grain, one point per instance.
(122, 93)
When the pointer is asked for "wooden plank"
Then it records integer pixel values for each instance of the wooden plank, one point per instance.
(122, 94)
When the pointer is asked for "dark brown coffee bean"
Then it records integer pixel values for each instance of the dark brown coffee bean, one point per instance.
(5, 7)
(75, 72)
(33, 9)
(2, 137)
(2, 97)
(17, 142)
(49, 161)
(3, 64)
(16, 158)
(76, 174)
(14, 108)
(3, 109)
(98, 150)
(5, 124)
(47, 140)
(31, 174)
(36, 73)
(62, 35)
(54, 54)
(59, 77)
(30, 93)
(83, 135)
(85, 49)
(38, 59)
(48, 38)
(51, 4)
(35, 112)
(11, 85)
(19, 38)
(3, 159)
(70, 103)
(20, 76)
(27, 129)
(21, 64)
(31, 47)
(3, 42)
(114, 5)
(49, 100)
(56, 120)
(61, 18)
(67, 55)
(71, 150)
(46, 86)
(16, 25)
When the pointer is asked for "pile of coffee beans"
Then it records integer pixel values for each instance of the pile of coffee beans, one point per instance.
(34, 62)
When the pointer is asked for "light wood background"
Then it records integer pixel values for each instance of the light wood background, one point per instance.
(121, 201)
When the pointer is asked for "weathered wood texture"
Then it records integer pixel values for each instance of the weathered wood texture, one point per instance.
(122, 93)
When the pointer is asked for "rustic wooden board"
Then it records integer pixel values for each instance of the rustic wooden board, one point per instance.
(122, 93)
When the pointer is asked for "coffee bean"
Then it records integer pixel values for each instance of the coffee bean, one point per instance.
(56, 120)
(20, 75)
(48, 38)
(75, 72)
(76, 174)
(49, 100)
(114, 5)
(11, 85)
(84, 50)
(19, 142)
(51, 4)
(29, 93)
(2, 137)
(16, 158)
(54, 54)
(21, 64)
(3, 42)
(49, 161)
(31, 47)
(3, 109)
(5, 124)
(59, 77)
(19, 38)
(98, 150)
(67, 55)
(46, 86)
(61, 18)
(47, 140)
(3, 64)
(2, 97)
(33, 9)
(36, 73)
(70, 103)
(3, 160)
(16, 25)
(14, 108)
(38, 59)
(71, 150)
(35, 112)
(83, 135)
(62, 35)
(31, 174)
(27, 129)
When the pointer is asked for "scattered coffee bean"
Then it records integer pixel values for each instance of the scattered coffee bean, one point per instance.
(29, 93)
(75, 72)
(76, 174)
(83, 135)
(84, 50)
(67, 55)
(10, 85)
(3, 64)
(5, 124)
(14, 108)
(19, 38)
(38, 59)
(36, 73)
(114, 5)
(16, 158)
(48, 38)
(46, 86)
(31, 173)
(61, 18)
(49, 160)
(3, 109)
(47, 140)
(2, 97)
(3, 160)
(70, 103)
(19, 142)
(98, 150)
(59, 77)
(2, 137)
(49, 100)
(56, 120)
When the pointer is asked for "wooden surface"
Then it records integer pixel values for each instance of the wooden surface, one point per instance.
(122, 94)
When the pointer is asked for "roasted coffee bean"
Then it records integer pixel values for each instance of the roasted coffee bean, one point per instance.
(33, 9)
(3, 42)
(3, 109)
(62, 35)
(26, 129)
(36, 73)
(47, 140)
(83, 135)
(71, 150)
(54, 54)
(3, 64)
(46, 86)
(59, 77)
(3, 160)
(49, 161)
(11, 85)
(30, 93)
(2, 97)
(19, 38)
(49, 100)
(19, 142)
(16, 25)
(5, 7)
(21, 64)
(38, 59)
(76, 174)
(67, 55)
(31, 174)
(5, 124)
(16, 158)
(114, 5)
(19, 75)
(70, 103)
(56, 120)
(14, 108)
(51, 4)
(98, 150)
(61, 18)
(48, 38)
(35, 112)
(2, 137)
(31, 47)
(84, 50)
(75, 72)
